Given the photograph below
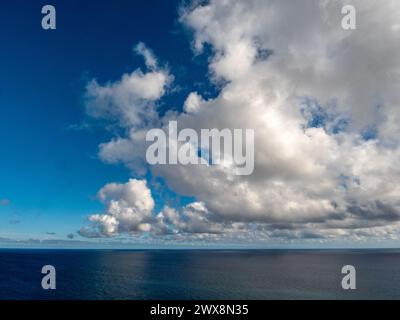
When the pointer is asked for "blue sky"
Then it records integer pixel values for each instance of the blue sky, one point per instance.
(49, 168)
(326, 139)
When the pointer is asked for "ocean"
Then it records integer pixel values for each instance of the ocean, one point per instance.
(199, 274)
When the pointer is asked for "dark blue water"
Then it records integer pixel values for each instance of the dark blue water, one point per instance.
(186, 274)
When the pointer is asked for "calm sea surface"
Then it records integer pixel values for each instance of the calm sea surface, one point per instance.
(206, 274)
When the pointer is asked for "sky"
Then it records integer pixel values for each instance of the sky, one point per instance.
(76, 104)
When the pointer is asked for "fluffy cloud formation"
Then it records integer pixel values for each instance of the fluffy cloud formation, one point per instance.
(131, 100)
(128, 210)
(323, 102)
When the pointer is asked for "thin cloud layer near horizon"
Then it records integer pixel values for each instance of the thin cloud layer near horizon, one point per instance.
(323, 103)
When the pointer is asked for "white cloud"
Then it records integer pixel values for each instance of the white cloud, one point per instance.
(149, 58)
(131, 100)
(192, 102)
(193, 218)
(310, 90)
(128, 209)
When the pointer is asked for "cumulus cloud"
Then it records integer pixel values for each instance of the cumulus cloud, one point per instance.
(193, 218)
(131, 101)
(128, 209)
(323, 103)
(192, 103)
